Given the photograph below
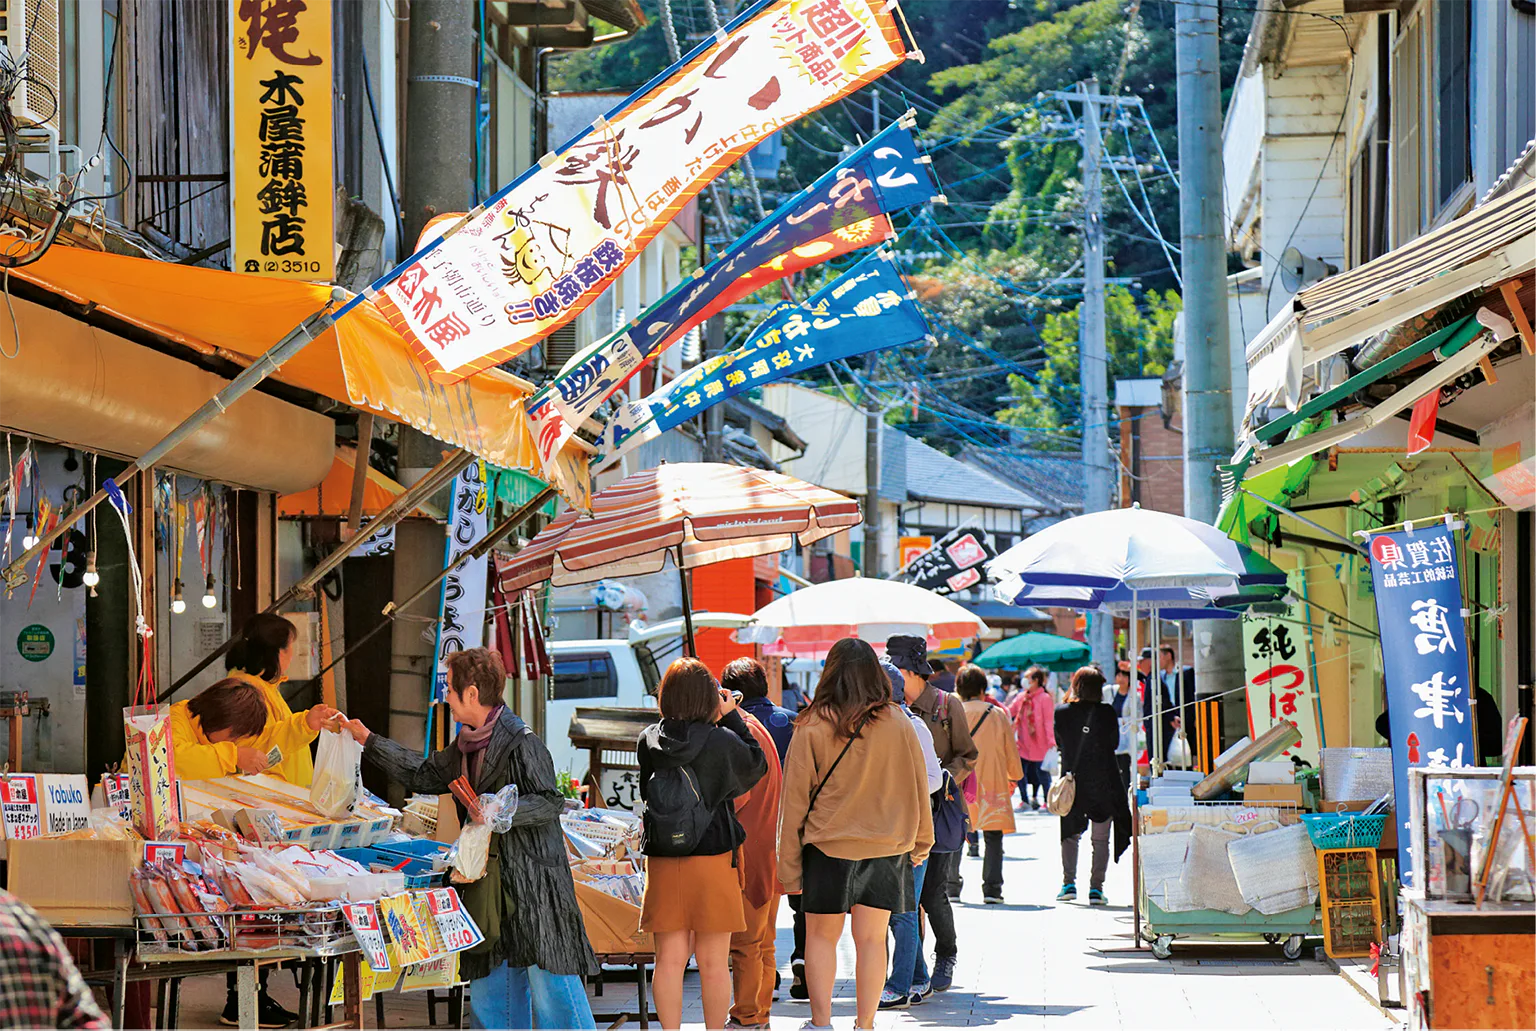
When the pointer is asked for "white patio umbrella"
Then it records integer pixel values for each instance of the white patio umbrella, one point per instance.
(809, 620)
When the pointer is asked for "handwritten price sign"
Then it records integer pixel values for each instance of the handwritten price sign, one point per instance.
(363, 918)
(458, 930)
(20, 810)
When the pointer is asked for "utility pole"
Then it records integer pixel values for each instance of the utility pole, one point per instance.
(438, 170)
(1207, 355)
(872, 422)
(1093, 350)
(714, 417)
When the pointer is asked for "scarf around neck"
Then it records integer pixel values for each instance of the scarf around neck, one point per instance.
(472, 743)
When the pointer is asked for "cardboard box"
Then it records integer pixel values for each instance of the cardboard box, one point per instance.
(76, 882)
(1388, 833)
(1272, 793)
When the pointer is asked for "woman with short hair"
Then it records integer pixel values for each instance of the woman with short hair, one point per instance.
(214, 733)
(855, 822)
(997, 769)
(700, 756)
(1087, 734)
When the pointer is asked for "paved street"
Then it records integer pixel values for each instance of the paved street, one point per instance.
(1035, 964)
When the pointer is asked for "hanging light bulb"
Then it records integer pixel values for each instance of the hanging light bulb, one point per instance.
(91, 578)
(178, 605)
(29, 540)
(210, 601)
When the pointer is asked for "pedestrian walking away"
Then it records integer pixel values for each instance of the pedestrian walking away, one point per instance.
(855, 822)
(907, 984)
(693, 764)
(944, 715)
(530, 969)
(754, 967)
(1087, 734)
(40, 986)
(989, 790)
(1034, 733)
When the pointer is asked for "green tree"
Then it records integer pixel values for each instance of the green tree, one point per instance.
(1139, 336)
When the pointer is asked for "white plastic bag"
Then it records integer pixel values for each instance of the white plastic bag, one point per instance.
(471, 852)
(1052, 761)
(338, 775)
(1178, 752)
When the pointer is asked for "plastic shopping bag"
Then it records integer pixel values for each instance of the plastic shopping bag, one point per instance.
(472, 851)
(154, 799)
(338, 775)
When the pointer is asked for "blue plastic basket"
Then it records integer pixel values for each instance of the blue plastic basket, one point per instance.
(1344, 829)
(419, 872)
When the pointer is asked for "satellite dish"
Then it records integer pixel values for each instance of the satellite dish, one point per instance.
(1298, 270)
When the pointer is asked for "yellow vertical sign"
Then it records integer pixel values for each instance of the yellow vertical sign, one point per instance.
(282, 182)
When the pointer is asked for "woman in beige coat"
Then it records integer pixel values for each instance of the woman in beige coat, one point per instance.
(997, 770)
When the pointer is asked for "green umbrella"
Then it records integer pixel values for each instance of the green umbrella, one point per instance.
(1057, 653)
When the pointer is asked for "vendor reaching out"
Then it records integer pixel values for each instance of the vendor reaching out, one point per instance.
(261, 655)
(215, 732)
(528, 972)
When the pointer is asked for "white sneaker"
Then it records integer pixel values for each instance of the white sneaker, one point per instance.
(808, 1026)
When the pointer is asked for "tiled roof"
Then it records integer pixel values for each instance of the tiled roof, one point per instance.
(933, 475)
(1054, 479)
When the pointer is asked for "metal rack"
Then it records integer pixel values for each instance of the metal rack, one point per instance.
(311, 931)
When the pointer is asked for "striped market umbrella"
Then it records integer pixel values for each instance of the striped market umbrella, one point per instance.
(690, 514)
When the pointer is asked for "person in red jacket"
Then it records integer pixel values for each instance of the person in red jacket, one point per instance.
(753, 964)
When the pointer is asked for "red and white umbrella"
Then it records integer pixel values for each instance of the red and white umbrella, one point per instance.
(691, 514)
(810, 620)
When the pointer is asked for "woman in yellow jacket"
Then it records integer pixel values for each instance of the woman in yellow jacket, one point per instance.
(215, 732)
(261, 655)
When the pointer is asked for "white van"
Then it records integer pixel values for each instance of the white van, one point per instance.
(615, 674)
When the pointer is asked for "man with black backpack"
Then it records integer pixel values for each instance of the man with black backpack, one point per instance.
(944, 715)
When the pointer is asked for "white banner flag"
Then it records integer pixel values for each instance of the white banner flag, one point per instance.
(547, 245)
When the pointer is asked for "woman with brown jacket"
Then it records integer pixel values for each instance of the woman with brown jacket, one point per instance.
(997, 769)
(855, 821)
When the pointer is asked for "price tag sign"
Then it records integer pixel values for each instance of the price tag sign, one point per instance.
(114, 786)
(172, 852)
(363, 918)
(452, 919)
(20, 811)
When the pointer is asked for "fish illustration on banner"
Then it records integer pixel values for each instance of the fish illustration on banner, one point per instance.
(867, 308)
(544, 247)
(1417, 581)
(1277, 662)
(844, 210)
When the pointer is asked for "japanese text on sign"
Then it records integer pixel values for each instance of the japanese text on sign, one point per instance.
(461, 606)
(281, 178)
(20, 810)
(1277, 661)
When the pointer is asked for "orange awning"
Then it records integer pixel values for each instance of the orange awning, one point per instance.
(333, 496)
(360, 361)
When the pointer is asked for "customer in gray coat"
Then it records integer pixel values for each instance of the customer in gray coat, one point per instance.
(528, 972)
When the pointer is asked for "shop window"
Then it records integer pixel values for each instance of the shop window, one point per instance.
(583, 676)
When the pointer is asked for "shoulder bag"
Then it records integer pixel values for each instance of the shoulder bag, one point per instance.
(816, 791)
(1063, 792)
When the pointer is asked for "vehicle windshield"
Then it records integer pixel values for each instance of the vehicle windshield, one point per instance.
(649, 674)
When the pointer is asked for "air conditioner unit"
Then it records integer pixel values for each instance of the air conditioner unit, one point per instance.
(29, 31)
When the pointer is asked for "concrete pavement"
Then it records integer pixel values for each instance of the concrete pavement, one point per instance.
(1034, 964)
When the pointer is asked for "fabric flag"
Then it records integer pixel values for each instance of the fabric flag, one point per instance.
(1417, 581)
(953, 563)
(542, 249)
(1421, 423)
(826, 219)
(867, 308)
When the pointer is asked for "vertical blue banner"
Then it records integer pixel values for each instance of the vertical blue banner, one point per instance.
(1424, 660)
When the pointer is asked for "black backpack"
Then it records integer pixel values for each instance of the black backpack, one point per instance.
(676, 814)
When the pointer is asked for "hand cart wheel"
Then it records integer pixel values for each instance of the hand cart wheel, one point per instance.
(1271, 937)
(1292, 947)
(1162, 946)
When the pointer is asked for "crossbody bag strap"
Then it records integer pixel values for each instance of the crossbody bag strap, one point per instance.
(1078, 756)
(990, 709)
(833, 768)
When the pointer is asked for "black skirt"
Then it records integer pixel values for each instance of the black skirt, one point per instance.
(835, 886)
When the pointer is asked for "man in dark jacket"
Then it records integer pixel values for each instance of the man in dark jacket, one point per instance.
(528, 972)
(747, 677)
(945, 717)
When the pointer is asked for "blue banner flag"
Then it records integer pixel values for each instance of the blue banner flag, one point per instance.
(1424, 659)
(867, 308)
(886, 175)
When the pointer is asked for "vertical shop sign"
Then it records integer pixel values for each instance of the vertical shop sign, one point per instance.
(1277, 662)
(1417, 581)
(461, 605)
(281, 182)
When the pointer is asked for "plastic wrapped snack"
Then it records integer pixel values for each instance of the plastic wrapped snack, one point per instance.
(471, 852)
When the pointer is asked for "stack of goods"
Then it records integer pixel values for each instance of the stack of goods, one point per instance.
(604, 848)
(266, 808)
(1231, 858)
(1173, 787)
